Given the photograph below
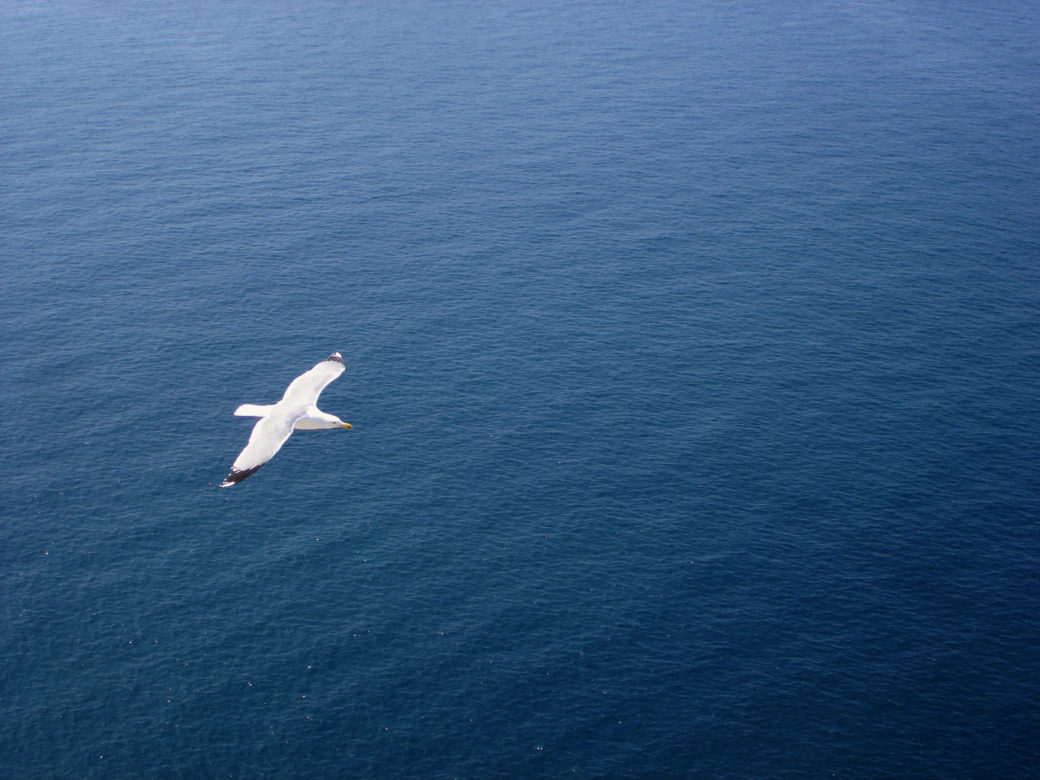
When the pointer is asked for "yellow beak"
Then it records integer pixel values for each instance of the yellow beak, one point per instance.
(347, 425)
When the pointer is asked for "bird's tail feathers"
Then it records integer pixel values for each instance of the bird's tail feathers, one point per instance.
(253, 410)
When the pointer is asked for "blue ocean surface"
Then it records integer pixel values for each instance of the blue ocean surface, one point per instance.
(692, 353)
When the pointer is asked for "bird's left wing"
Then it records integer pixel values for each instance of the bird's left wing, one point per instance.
(307, 386)
(268, 436)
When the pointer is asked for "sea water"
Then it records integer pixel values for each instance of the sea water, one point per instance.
(692, 353)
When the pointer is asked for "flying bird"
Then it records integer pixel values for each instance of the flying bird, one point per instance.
(298, 410)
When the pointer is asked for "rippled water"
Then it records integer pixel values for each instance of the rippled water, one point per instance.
(692, 357)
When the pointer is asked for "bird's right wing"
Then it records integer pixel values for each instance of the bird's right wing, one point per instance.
(268, 436)
(306, 388)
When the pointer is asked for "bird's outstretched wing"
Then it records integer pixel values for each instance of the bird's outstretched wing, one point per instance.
(306, 388)
(268, 436)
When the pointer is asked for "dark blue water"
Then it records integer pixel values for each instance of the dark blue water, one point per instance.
(693, 358)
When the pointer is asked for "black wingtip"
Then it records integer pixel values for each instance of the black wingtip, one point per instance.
(234, 477)
(335, 357)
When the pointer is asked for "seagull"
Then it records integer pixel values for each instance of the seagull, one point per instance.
(297, 410)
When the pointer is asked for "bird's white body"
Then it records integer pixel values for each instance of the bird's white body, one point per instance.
(313, 420)
(297, 410)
